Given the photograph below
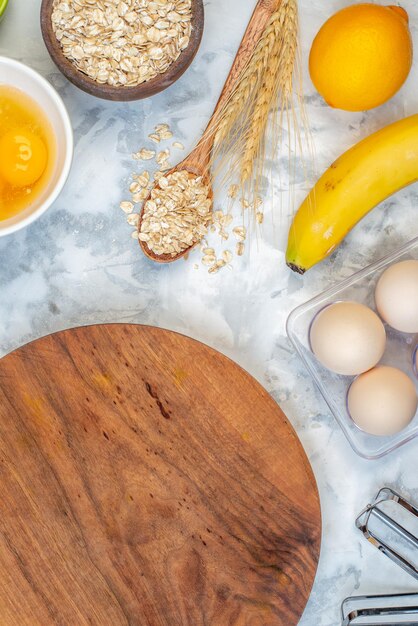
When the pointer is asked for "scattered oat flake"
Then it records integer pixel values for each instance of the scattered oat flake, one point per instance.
(155, 138)
(226, 220)
(227, 256)
(141, 195)
(146, 155)
(143, 179)
(209, 259)
(178, 145)
(162, 156)
(240, 232)
(126, 206)
(134, 187)
(260, 217)
(239, 250)
(133, 219)
(161, 128)
(244, 203)
(233, 191)
(135, 234)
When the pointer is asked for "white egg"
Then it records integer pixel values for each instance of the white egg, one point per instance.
(397, 296)
(382, 401)
(348, 338)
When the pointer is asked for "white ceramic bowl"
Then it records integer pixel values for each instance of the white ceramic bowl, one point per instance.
(35, 86)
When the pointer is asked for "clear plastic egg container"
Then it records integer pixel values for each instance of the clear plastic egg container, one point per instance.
(399, 353)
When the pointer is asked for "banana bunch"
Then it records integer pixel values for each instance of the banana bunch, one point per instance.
(356, 182)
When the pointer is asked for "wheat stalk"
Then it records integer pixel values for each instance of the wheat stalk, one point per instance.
(249, 78)
(277, 83)
(264, 87)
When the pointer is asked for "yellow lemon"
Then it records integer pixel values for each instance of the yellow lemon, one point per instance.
(361, 56)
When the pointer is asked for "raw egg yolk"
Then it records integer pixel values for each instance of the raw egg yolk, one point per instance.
(23, 157)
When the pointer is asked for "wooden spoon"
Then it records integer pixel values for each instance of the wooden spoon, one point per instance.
(197, 161)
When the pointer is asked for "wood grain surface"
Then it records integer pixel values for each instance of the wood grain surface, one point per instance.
(147, 480)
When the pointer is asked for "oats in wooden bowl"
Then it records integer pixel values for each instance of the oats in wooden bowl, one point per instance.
(122, 49)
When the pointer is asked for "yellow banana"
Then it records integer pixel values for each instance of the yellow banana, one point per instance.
(356, 182)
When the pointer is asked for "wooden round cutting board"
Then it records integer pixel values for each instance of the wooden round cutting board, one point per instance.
(147, 480)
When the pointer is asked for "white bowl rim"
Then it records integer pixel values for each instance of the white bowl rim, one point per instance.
(52, 92)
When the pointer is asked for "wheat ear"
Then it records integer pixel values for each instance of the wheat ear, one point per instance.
(264, 87)
(249, 78)
(277, 84)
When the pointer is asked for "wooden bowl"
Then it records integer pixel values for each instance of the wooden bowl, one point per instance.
(144, 90)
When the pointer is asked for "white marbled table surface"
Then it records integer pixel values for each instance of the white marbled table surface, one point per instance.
(78, 265)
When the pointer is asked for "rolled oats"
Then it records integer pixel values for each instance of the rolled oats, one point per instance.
(177, 215)
(133, 219)
(122, 43)
(227, 256)
(209, 259)
(170, 223)
(134, 187)
(239, 250)
(144, 154)
(140, 196)
(240, 233)
(226, 220)
(143, 179)
(166, 134)
(127, 207)
(162, 157)
(155, 138)
(160, 128)
(208, 251)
